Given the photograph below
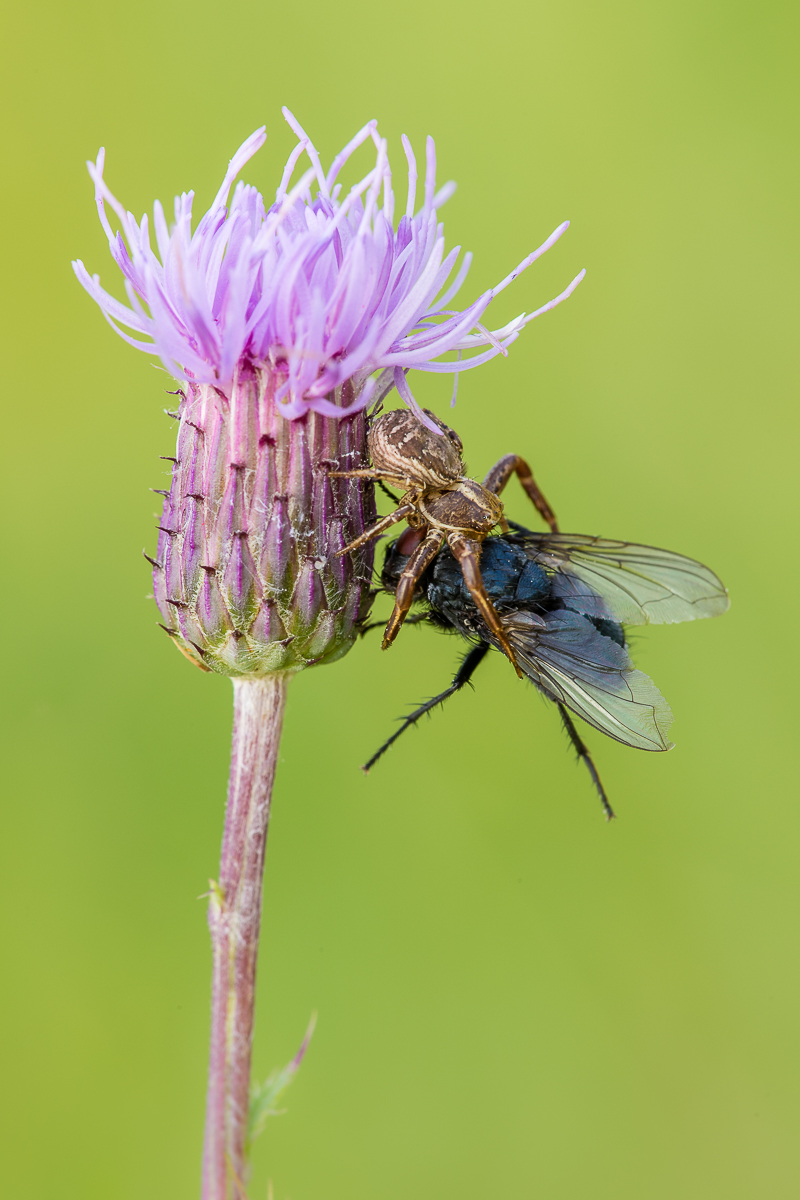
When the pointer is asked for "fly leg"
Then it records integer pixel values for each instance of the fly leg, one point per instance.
(583, 753)
(502, 471)
(467, 552)
(419, 561)
(416, 619)
(462, 676)
(385, 523)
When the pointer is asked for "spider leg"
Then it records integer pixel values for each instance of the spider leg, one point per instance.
(583, 753)
(502, 471)
(467, 551)
(422, 557)
(468, 666)
(385, 522)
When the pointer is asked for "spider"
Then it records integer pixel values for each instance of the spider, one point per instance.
(441, 503)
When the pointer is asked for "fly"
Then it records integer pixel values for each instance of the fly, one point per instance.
(564, 601)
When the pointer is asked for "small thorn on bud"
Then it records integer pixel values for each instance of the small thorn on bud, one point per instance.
(173, 633)
(175, 416)
(177, 603)
(160, 492)
(171, 532)
(266, 439)
(168, 458)
(211, 570)
(194, 496)
(180, 392)
(153, 562)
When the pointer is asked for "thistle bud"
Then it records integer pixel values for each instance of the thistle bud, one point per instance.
(246, 578)
(283, 324)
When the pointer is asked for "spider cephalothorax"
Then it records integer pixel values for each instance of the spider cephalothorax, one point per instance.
(442, 503)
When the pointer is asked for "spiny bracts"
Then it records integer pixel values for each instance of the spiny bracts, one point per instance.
(245, 577)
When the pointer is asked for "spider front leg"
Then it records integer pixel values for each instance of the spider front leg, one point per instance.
(467, 552)
(502, 471)
(404, 510)
(416, 566)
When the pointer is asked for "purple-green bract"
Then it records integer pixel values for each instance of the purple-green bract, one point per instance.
(323, 288)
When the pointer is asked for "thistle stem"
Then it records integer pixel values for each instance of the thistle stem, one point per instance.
(234, 918)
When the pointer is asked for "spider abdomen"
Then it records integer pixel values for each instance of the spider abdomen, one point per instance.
(404, 449)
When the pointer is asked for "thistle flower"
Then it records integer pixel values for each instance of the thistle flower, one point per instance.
(283, 325)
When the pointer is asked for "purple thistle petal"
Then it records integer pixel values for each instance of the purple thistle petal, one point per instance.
(405, 392)
(455, 286)
(344, 155)
(466, 364)
(526, 262)
(455, 385)
(319, 290)
(308, 146)
(557, 299)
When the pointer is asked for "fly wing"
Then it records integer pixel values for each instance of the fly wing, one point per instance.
(571, 662)
(636, 585)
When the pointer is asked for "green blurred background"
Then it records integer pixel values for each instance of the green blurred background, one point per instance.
(515, 999)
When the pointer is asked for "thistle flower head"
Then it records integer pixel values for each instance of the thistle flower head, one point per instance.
(283, 324)
(322, 287)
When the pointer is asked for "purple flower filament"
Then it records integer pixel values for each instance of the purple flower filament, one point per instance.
(320, 288)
